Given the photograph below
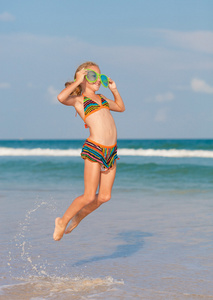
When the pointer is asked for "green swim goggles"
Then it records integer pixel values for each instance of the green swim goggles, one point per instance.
(92, 77)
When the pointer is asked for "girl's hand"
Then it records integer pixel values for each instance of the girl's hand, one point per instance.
(80, 75)
(112, 85)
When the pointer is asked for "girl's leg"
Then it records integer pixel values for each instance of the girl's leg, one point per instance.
(91, 181)
(82, 214)
(106, 182)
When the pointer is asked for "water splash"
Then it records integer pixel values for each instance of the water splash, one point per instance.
(32, 266)
(22, 257)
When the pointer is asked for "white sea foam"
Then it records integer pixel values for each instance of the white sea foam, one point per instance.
(52, 287)
(166, 152)
(38, 152)
(121, 152)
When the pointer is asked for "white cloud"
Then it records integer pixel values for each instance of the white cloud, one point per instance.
(194, 40)
(161, 115)
(164, 97)
(6, 17)
(4, 85)
(199, 85)
(30, 85)
(148, 59)
(53, 93)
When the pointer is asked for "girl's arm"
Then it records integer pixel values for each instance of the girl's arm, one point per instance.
(117, 104)
(64, 96)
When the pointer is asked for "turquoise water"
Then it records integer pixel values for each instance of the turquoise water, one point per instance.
(182, 164)
(153, 240)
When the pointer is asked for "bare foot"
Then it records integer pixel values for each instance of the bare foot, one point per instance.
(71, 227)
(59, 229)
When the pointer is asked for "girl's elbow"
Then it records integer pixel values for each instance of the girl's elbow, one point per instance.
(59, 98)
(120, 109)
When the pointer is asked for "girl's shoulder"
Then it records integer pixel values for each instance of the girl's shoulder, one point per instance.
(102, 96)
(78, 99)
(73, 100)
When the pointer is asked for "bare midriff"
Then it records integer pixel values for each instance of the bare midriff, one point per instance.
(102, 127)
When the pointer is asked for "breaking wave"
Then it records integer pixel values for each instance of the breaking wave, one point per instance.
(6, 151)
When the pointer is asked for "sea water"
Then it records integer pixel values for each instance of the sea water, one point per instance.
(152, 240)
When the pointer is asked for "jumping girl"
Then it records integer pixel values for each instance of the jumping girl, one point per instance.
(100, 149)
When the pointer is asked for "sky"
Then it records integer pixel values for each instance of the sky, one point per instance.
(159, 53)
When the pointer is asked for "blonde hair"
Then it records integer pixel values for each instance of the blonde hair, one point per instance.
(78, 90)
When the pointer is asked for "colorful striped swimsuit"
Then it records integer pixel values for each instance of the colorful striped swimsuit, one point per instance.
(91, 106)
(105, 155)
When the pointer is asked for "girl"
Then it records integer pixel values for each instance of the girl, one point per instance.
(100, 149)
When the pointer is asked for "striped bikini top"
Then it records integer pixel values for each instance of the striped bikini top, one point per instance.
(91, 106)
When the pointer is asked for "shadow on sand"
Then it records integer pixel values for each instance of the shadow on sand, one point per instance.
(133, 242)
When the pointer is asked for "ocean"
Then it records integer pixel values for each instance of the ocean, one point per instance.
(152, 240)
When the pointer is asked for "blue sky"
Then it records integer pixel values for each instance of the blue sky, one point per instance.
(160, 53)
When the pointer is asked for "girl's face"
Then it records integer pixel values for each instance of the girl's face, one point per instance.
(96, 85)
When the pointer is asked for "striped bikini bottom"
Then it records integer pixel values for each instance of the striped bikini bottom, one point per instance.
(105, 155)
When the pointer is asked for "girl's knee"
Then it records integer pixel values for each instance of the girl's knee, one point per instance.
(104, 197)
(89, 198)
